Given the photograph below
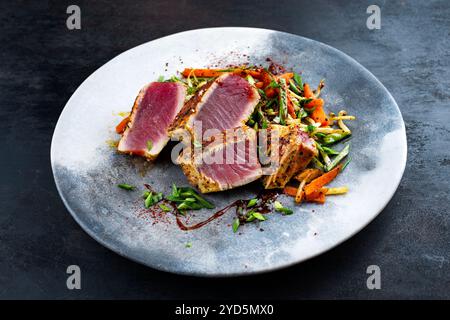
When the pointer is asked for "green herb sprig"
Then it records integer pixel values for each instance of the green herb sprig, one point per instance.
(188, 199)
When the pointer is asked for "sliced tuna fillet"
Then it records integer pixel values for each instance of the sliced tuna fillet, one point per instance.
(224, 103)
(295, 150)
(228, 162)
(153, 111)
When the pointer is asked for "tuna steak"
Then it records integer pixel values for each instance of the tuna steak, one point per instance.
(153, 111)
(224, 103)
(228, 162)
(295, 150)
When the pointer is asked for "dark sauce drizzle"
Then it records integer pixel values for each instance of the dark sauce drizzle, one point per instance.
(263, 206)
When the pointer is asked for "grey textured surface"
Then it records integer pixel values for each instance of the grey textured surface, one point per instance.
(43, 63)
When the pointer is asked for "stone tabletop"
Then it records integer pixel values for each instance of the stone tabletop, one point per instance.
(42, 64)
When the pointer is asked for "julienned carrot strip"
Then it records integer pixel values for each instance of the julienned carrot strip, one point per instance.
(270, 92)
(259, 85)
(290, 191)
(315, 103)
(318, 114)
(287, 76)
(211, 73)
(320, 199)
(120, 128)
(254, 74)
(309, 175)
(202, 73)
(307, 92)
(312, 190)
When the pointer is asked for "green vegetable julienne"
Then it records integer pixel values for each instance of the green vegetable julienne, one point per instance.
(298, 80)
(334, 137)
(283, 102)
(338, 158)
(330, 151)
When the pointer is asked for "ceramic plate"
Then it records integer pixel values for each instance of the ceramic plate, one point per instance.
(87, 170)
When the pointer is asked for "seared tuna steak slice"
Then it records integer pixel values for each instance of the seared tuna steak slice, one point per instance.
(224, 103)
(295, 150)
(228, 162)
(153, 111)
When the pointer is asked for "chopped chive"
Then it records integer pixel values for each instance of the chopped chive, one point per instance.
(259, 216)
(157, 197)
(126, 186)
(236, 224)
(252, 202)
(174, 190)
(183, 206)
(279, 207)
(149, 200)
(145, 194)
(201, 200)
(164, 207)
(188, 245)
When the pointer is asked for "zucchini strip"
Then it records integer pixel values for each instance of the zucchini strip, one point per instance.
(338, 158)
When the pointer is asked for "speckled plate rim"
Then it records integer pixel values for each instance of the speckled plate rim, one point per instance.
(339, 53)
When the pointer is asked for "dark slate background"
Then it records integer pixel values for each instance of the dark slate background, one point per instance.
(42, 63)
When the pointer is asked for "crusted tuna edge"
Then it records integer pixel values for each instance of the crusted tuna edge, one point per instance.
(186, 116)
(204, 183)
(157, 148)
(291, 159)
